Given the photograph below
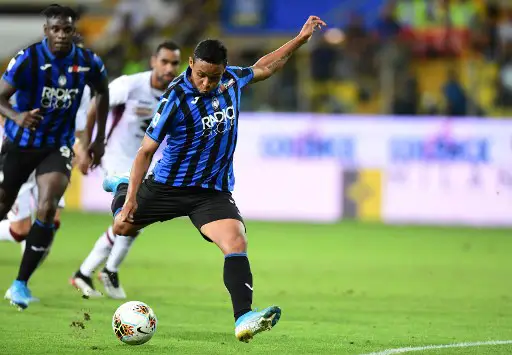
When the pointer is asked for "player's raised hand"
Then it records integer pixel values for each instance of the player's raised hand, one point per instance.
(29, 119)
(129, 208)
(312, 24)
(96, 151)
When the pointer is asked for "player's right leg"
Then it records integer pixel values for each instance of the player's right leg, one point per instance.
(16, 165)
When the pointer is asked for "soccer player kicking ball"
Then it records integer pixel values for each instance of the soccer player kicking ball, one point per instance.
(133, 100)
(48, 79)
(199, 116)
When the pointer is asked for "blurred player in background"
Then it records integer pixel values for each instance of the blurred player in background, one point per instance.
(198, 114)
(48, 80)
(133, 100)
(16, 226)
(19, 219)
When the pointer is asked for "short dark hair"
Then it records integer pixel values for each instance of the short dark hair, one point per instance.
(170, 45)
(211, 51)
(56, 10)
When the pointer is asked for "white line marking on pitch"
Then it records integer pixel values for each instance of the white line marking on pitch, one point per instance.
(445, 346)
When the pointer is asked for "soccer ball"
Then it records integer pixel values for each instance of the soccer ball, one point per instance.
(134, 323)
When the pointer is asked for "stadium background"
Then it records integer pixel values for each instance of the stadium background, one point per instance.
(397, 114)
(434, 77)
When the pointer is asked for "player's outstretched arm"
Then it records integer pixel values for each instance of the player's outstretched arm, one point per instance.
(140, 167)
(272, 62)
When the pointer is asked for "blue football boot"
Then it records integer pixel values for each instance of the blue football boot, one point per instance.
(254, 322)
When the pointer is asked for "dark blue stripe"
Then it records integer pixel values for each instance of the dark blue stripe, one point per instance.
(194, 154)
(226, 145)
(176, 166)
(232, 255)
(44, 225)
(117, 211)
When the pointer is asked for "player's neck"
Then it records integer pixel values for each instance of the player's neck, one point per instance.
(60, 54)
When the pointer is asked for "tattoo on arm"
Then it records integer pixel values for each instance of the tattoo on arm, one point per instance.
(278, 63)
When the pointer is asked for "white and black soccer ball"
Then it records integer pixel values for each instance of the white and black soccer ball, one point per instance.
(134, 323)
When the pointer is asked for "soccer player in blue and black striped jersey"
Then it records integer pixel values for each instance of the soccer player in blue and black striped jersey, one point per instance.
(48, 79)
(198, 116)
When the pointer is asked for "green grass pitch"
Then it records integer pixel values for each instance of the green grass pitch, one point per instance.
(347, 288)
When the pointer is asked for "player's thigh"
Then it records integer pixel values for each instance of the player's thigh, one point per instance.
(56, 160)
(217, 217)
(51, 187)
(16, 165)
(156, 202)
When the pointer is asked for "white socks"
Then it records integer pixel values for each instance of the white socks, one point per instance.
(122, 246)
(99, 253)
(111, 246)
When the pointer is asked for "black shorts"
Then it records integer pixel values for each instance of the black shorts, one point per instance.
(158, 202)
(17, 163)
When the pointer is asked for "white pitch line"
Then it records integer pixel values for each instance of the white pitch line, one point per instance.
(445, 346)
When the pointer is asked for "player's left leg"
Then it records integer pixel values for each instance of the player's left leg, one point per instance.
(52, 175)
(219, 220)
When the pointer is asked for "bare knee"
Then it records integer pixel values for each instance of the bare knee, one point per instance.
(236, 243)
(22, 227)
(46, 210)
(228, 234)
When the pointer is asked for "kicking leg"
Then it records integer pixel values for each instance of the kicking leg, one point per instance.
(229, 235)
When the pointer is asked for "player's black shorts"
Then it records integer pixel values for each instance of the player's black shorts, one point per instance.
(158, 202)
(17, 163)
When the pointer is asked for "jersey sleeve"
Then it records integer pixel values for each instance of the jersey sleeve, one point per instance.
(167, 111)
(243, 75)
(81, 115)
(98, 72)
(17, 72)
(119, 90)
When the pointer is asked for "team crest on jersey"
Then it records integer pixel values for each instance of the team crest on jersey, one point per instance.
(224, 86)
(215, 103)
(62, 80)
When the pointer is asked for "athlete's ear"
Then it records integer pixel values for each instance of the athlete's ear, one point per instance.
(45, 30)
(190, 61)
(152, 62)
